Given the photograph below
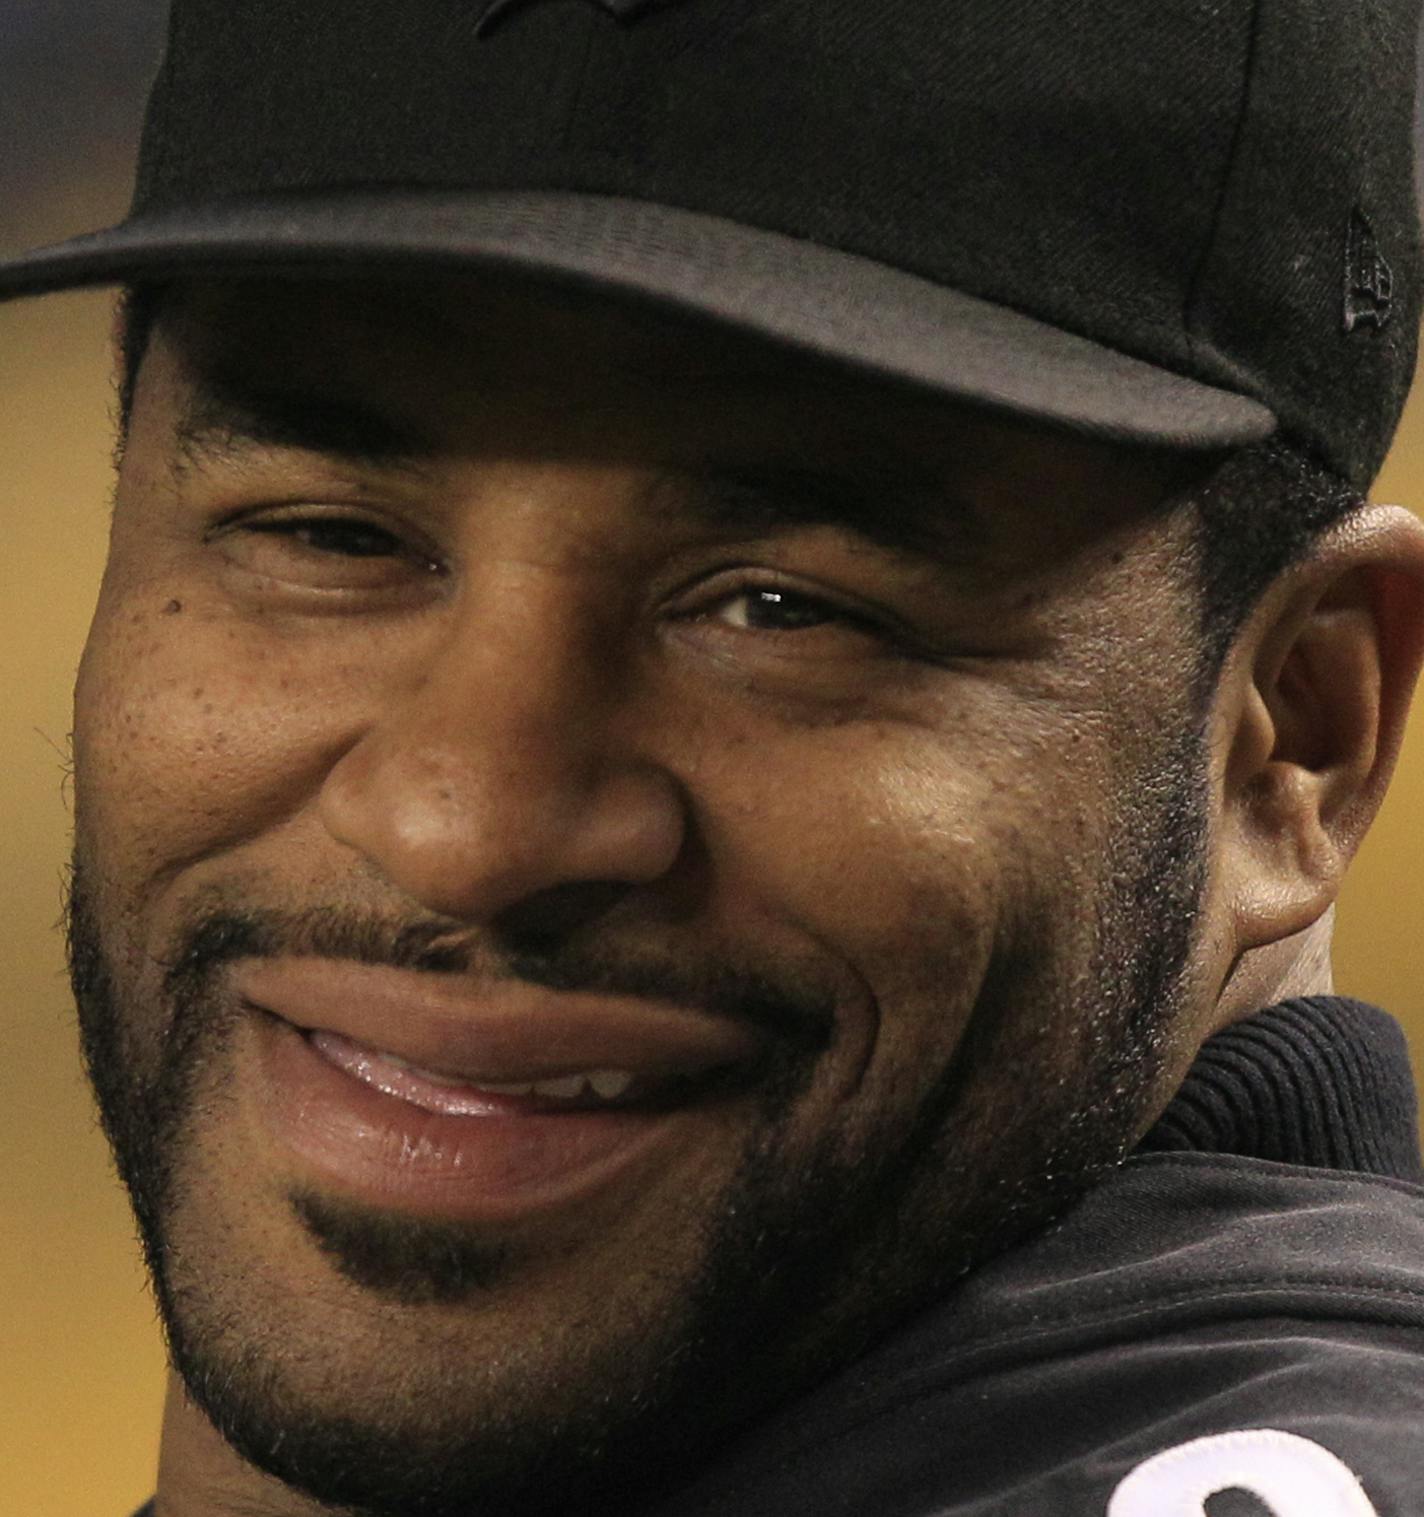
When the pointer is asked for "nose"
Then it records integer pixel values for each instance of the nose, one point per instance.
(501, 771)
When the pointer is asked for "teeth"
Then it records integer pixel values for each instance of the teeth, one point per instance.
(606, 1084)
(564, 1088)
(432, 1075)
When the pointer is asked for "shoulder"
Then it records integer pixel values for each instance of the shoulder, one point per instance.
(1197, 1324)
(1187, 1237)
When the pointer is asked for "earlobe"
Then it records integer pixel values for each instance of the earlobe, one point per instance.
(1310, 713)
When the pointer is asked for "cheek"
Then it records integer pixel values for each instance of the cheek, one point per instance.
(910, 858)
(193, 733)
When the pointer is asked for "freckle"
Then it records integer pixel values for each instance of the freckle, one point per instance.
(173, 608)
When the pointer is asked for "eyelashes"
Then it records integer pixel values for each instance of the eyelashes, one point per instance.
(753, 606)
(324, 553)
(343, 560)
(778, 608)
(347, 537)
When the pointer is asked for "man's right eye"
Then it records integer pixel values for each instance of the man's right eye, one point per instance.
(323, 551)
(349, 537)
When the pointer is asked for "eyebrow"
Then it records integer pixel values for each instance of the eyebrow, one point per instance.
(229, 414)
(911, 515)
(886, 502)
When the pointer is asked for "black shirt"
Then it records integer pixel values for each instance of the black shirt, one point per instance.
(1232, 1322)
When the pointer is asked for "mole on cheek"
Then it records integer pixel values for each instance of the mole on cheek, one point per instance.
(173, 608)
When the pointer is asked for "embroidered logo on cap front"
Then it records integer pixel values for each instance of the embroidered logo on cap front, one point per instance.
(1369, 280)
(626, 11)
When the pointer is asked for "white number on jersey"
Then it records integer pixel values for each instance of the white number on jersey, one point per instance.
(1293, 1476)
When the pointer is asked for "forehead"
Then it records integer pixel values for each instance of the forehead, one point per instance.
(469, 363)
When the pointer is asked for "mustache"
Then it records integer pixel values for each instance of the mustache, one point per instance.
(783, 1000)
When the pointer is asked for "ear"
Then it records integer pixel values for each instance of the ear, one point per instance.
(1308, 718)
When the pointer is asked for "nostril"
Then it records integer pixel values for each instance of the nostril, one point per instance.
(448, 813)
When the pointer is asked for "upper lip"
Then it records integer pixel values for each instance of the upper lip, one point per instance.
(501, 1031)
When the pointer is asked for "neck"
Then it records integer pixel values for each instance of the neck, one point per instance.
(200, 1475)
(1299, 965)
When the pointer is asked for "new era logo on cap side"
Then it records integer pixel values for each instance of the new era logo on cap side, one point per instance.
(621, 10)
(1369, 280)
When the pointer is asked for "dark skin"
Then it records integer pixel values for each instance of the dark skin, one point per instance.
(501, 657)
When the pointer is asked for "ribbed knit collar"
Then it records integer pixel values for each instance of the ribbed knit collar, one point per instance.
(1321, 1081)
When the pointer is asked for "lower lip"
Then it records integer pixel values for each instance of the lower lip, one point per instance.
(497, 1165)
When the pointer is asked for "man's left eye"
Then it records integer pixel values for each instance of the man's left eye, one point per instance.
(763, 609)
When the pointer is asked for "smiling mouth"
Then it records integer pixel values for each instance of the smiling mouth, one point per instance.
(407, 1093)
(447, 1094)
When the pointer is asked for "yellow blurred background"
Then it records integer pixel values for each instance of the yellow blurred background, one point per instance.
(80, 1358)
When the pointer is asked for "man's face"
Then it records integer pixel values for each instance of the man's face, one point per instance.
(497, 690)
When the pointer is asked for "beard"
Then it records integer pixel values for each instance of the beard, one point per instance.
(802, 1262)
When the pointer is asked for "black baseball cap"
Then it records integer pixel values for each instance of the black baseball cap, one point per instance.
(1182, 223)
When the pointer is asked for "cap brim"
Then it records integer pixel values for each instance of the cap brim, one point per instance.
(820, 301)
